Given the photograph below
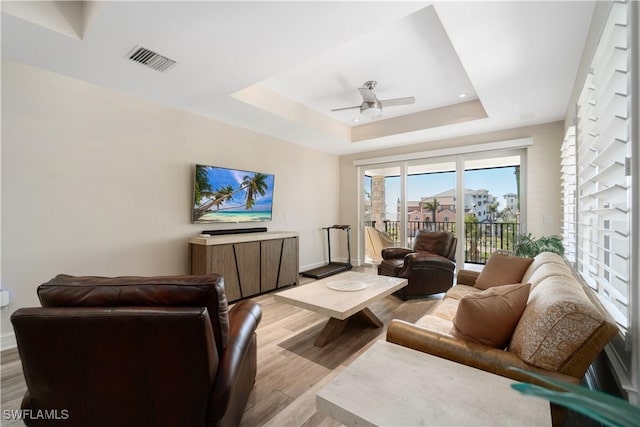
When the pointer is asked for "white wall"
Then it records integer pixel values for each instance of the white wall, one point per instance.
(543, 173)
(98, 182)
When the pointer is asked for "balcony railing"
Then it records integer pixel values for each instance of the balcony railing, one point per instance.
(480, 239)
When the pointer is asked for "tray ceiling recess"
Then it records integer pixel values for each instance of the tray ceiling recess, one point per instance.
(427, 73)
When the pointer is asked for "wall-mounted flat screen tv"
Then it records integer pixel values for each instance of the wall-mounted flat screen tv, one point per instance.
(231, 195)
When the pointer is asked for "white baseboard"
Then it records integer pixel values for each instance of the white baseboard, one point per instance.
(8, 341)
(310, 266)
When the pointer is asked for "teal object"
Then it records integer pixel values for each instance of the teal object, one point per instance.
(602, 407)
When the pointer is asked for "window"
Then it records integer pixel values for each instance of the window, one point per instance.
(603, 186)
(568, 176)
(598, 201)
(430, 177)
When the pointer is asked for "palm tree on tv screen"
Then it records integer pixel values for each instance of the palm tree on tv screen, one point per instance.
(222, 195)
(254, 185)
(203, 188)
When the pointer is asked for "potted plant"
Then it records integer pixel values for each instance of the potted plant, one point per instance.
(526, 245)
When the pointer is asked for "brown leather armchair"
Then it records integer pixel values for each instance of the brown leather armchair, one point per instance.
(136, 351)
(429, 266)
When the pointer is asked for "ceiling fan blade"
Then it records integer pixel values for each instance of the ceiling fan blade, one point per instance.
(346, 108)
(367, 94)
(397, 101)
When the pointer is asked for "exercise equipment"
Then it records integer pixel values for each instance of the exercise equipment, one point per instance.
(332, 267)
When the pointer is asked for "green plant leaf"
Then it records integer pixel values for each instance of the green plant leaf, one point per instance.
(602, 407)
(526, 245)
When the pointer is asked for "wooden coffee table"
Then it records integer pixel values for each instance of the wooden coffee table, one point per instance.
(341, 306)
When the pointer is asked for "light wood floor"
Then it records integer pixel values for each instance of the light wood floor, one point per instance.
(12, 384)
(290, 368)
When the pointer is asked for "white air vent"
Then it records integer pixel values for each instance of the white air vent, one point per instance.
(150, 59)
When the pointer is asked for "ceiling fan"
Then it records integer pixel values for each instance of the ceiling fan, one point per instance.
(371, 105)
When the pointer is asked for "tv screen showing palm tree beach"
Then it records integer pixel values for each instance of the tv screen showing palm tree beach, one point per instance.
(230, 195)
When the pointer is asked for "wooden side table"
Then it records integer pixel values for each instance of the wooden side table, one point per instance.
(391, 385)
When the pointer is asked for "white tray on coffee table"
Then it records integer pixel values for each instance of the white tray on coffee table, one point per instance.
(346, 285)
(339, 305)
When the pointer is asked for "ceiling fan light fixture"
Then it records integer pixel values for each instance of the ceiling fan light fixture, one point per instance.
(371, 109)
(371, 106)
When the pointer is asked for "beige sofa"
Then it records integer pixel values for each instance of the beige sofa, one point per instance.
(560, 332)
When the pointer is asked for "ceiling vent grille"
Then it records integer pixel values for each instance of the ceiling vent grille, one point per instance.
(151, 59)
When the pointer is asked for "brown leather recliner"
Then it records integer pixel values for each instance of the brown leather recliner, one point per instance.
(428, 267)
(136, 351)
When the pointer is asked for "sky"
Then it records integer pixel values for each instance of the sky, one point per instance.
(221, 177)
(498, 181)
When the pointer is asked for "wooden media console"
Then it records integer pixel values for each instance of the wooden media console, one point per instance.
(251, 263)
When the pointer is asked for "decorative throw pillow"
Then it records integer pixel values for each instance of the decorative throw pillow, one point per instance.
(490, 317)
(502, 269)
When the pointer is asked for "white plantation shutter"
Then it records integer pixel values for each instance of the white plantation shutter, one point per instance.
(568, 177)
(603, 150)
(606, 185)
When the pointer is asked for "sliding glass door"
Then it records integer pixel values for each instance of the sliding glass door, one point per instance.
(476, 196)
(431, 197)
(380, 207)
(491, 206)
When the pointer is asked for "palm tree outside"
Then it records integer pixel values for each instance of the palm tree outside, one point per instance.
(492, 209)
(433, 207)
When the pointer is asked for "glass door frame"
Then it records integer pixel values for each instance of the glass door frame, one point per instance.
(459, 160)
(402, 166)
